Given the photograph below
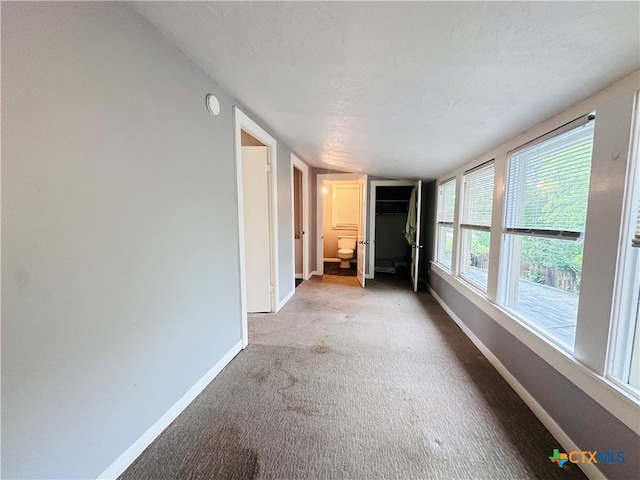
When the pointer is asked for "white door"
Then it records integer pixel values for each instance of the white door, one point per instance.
(417, 246)
(362, 229)
(255, 194)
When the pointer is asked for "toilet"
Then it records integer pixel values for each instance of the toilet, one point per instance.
(346, 247)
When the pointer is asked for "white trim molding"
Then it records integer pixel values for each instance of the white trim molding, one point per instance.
(243, 122)
(373, 195)
(589, 469)
(286, 299)
(612, 398)
(130, 454)
(320, 179)
(304, 170)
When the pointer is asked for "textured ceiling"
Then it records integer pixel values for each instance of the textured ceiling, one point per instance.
(403, 89)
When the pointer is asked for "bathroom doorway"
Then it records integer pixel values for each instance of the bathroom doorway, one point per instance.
(340, 226)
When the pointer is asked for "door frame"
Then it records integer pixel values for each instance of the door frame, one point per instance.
(417, 248)
(362, 237)
(320, 179)
(372, 216)
(242, 122)
(304, 170)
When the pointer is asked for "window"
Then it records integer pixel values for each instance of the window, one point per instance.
(631, 361)
(625, 357)
(476, 224)
(625, 346)
(446, 208)
(546, 209)
(345, 207)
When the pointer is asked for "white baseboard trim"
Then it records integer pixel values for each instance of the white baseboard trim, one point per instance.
(285, 300)
(316, 272)
(589, 469)
(131, 453)
(299, 275)
(331, 259)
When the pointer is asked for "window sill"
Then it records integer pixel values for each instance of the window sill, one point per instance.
(344, 227)
(476, 287)
(443, 267)
(538, 331)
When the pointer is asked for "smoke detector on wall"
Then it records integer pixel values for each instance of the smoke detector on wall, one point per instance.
(213, 105)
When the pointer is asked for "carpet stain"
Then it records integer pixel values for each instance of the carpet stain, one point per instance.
(233, 459)
(342, 398)
(261, 376)
(240, 462)
(305, 410)
(321, 349)
(291, 401)
(292, 380)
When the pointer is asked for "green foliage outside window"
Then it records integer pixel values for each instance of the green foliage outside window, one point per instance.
(557, 202)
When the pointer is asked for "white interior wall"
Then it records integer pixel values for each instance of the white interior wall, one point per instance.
(119, 266)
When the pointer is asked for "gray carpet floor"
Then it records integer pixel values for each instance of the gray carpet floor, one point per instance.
(352, 383)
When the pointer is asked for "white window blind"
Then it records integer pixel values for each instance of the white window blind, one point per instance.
(548, 184)
(447, 202)
(478, 198)
(345, 207)
(635, 241)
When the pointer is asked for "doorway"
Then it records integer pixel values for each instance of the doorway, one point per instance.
(341, 225)
(395, 217)
(300, 219)
(256, 168)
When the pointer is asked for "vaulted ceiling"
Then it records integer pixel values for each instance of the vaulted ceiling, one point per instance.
(403, 89)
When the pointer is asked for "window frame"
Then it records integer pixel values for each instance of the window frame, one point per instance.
(586, 366)
(467, 229)
(509, 272)
(626, 302)
(441, 224)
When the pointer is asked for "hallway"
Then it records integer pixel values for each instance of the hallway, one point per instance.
(355, 383)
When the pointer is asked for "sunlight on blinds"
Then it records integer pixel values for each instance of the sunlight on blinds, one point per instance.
(345, 208)
(447, 201)
(635, 241)
(478, 197)
(548, 183)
